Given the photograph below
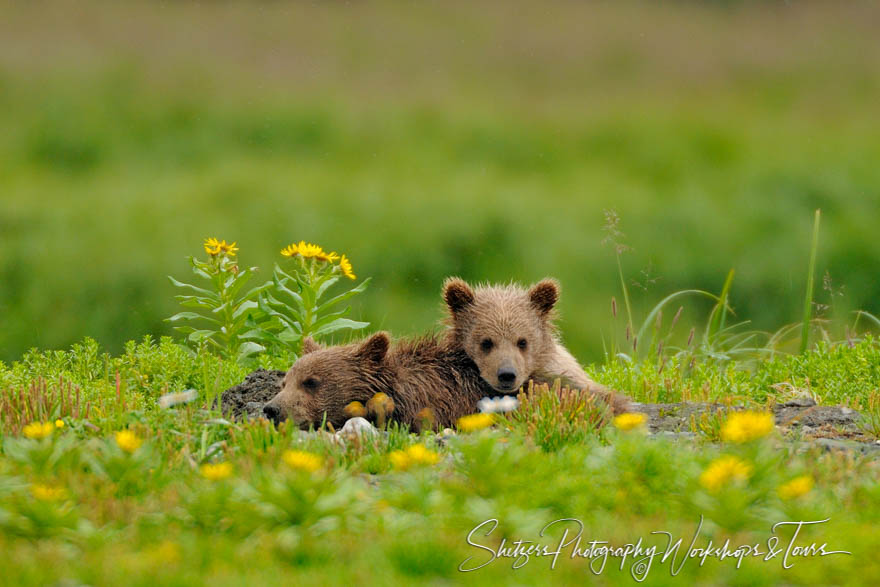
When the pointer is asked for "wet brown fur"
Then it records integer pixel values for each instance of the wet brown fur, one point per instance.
(522, 339)
(416, 374)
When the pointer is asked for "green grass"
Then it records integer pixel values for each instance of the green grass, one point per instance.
(151, 517)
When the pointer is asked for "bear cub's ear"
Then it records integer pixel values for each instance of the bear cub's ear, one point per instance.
(544, 295)
(310, 346)
(374, 348)
(458, 294)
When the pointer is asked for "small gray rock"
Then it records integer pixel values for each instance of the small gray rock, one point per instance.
(802, 401)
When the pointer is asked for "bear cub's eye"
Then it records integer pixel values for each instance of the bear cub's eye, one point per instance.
(487, 344)
(522, 344)
(310, 384)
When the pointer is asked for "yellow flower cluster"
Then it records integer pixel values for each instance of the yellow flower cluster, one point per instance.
(743, 427)
(724, 470)
(38, 430)
(416, 454)
(629, 421)
(128, 441)
(216, 471)
(302, 461)
(214, 247)
(474, 422)
(796, 487)
(47, 493)
(313, 251)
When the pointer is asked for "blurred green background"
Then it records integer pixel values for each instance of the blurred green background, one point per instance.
(484, 140)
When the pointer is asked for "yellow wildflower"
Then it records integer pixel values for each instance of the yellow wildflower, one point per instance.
(212, 246)
(746, 426)
(475, 422)
(723, 470)
(47, 493)
(290, 250)
(796, 487)
(216, 472)
(229, 249)
(416, 454)
(308, 250)
(629, 421)
(345, 265)
(328, 257)
(38, 430)
(59, 423)
(128, 441)
(302, 461)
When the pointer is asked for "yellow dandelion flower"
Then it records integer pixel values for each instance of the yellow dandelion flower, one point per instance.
(59, 423)
(128, 441)
(345, 265)
(723, 470)
(419, 454)
(629, 421)
(212, 246)
(746, 426)
(290, 250)
(328, 257)
(399, 460)
(308, 250)
(416, 454)
(216, 471)
(302, 461)
(47, 493)
(229, 249)
(475, 422)
(796, 487)
(38, 430)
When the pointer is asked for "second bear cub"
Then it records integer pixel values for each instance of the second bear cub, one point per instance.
(509, 333)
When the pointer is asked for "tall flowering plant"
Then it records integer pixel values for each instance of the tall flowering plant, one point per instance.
(296, 297)
(223, 317)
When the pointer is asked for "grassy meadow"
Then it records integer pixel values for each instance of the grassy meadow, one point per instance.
(631, 150)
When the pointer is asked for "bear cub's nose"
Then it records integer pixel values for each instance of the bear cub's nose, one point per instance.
(506, 377)
(272, 412)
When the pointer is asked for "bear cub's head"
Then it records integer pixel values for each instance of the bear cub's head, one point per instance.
(506, 330)
(323, 381)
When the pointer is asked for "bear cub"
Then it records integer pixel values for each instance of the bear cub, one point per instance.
(416, 374)
(509, 333)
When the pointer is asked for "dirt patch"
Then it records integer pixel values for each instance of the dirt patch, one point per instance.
(248, 397)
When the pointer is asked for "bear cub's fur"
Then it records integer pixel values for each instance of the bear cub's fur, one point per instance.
(509, 333)
(415, 374)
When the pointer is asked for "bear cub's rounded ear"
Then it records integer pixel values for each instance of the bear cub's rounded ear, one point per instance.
(457, 294)
(544, 295)
(375, 348)
(310, 346)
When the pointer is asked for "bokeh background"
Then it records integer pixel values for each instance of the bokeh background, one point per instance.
(480, 139)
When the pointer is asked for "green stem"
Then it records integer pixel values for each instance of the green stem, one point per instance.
(629, 317)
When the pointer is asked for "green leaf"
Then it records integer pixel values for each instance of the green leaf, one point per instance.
(190, 316)
(199, 290)
(197, 302)
(244, 307)
(323, 287)
(201, 335)
(342, 297)
(247, 349)
(340, 324)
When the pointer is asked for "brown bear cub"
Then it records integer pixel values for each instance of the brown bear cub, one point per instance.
(415, 374)
(509, 333)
